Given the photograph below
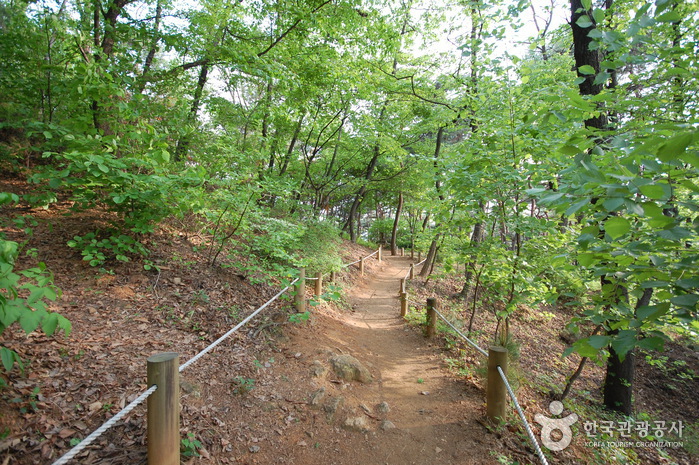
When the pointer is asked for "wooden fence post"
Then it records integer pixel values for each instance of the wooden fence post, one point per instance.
(361, 267)
(431, 320)
(378, 255)
(412, 253)
(419, 256)
(403, 304)
(412, 271)
(333, 276)
(164, 409)
(402, 251)
(300, 288)
(402, 286)
(319, 284)
(496, 393)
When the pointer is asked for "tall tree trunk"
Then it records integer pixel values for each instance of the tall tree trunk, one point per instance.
(469, 267)
(183, 143)
(292, 144)
(394, 232)
(618, 383)
(432, 253)
(359, 196)
(153, 46)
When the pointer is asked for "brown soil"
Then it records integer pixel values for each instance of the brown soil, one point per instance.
(437, 418)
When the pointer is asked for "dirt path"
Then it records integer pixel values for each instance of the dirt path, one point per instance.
(436, 416)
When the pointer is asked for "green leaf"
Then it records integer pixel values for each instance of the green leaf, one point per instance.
(550, 198)
(655, 343)
(675, 234)
(623, 342)
(686, 300)
(651, 312)
(8, 358)
(586, 259)
(669, 17)
(613, 203)
(49, 324)
(655, 191)
(584, 349)
(577, 206)
(586, 69)
(652, 210)
(674, 147)
(569, 150)
(602, 77)
(584, 22)
(598, 15)
(616, 227)
(7, 197)
(599, 342)
(689, 283)
(29, 320)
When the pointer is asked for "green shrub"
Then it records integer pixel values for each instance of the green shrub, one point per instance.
(23, 299)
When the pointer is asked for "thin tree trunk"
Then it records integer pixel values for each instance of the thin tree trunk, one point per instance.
(153, 46)
(183, 143)
(394, 232)
(292, 144)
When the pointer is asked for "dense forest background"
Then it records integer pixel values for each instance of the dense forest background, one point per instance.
(547, 149)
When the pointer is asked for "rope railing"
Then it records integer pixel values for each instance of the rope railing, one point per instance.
(496, 356)
(235, 328)
(108, 424)
(420, 263)
(141, 398)
(532, 438)
(357, 261)
(473, 344)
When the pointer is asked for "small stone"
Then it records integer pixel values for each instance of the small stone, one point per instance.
(187, 387)
(350, 369)
(254, 449)
(386, 425)
(318, 370)
(437, 450)
(357, 424)
(331, 407)
(425, 393)
(297, 355)
(383, 407)
(318, 396)
(301, 443)
(177, 281)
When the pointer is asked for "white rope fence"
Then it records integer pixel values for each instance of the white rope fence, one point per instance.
(99, 431)
(141, 398)
(109, 423)
(236, 328)
(532, 438)
(473, 344)
(357, 261)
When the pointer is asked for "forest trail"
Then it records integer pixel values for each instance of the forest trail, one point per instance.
(436, 416)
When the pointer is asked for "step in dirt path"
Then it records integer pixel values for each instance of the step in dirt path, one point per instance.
(437, 417)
